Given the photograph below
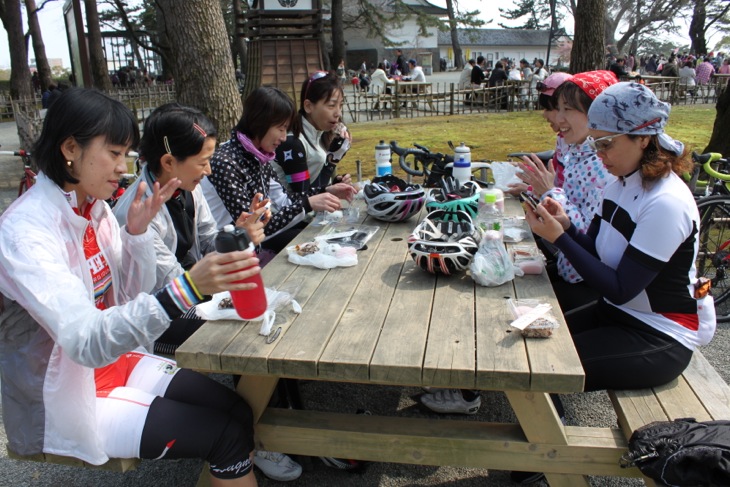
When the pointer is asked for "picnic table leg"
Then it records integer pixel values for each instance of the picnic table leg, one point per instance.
(257, 391)
(541, 424)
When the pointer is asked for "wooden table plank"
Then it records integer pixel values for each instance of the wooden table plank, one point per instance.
(501, 354)
(679, 400)
(398, 357)
(298, 352)
(351, 346)
(554, 361)
(716, 399)
(422, 441)
(450, 359)
(203, 350)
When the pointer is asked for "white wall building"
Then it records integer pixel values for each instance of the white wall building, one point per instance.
(361, 48)
(495, 44)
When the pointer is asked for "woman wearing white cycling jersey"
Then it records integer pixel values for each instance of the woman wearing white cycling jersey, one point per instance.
(638, 252)
(77, 314)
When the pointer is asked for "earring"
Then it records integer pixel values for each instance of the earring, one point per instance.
(69, 163)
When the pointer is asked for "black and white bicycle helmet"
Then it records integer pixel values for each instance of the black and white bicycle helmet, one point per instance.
(391, 199)
(444, 243)
(452, 199)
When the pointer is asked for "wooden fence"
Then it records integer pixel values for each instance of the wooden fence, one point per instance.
(29, 115)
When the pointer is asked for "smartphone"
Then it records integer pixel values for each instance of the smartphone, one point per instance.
(530, 200)
(267, 207)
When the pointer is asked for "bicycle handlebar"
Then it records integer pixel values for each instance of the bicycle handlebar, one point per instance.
(706, 161)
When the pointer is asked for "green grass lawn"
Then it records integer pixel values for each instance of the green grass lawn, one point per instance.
(494, 135)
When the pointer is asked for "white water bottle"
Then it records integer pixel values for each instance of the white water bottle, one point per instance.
(462, 150)
(462, 170)
(382, 159)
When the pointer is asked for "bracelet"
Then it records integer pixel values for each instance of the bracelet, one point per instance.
(189, 280)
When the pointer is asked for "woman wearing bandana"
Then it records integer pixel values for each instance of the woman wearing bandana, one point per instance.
(638, 252)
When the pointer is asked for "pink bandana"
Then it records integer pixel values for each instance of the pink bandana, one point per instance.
(594, 82)
(263, 157)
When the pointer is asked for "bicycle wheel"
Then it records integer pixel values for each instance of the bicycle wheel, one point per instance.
(713, 259)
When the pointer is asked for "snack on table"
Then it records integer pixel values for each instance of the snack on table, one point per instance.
(225, 303)
(533, 318)
(306, 248)
(540, 328)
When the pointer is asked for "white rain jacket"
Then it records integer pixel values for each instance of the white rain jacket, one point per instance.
(52, 336)
(204, 230)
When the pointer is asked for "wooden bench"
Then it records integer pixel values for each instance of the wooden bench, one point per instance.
(698, 393)
(113, 465)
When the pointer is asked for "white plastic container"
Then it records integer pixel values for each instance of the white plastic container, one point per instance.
(462, 150)
(499, 200)
(461, 170)
(382, 159)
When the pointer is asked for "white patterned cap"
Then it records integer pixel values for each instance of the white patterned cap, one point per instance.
(632, 108)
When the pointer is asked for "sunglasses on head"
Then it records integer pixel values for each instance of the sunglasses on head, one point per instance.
(541, 87)
(602, 144)
(314, 77)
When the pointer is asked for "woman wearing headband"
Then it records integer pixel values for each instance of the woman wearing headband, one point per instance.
(579, 179)
(318, 139)
(78, 314)
(638, 252)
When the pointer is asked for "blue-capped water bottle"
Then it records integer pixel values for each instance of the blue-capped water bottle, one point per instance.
(382, 159)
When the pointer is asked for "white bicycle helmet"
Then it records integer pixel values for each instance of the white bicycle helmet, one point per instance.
(444, 243)
(452, 199)
(391, 199)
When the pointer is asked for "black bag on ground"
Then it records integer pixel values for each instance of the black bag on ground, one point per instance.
(682, 452)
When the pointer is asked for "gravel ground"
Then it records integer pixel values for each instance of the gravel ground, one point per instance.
(589, 409)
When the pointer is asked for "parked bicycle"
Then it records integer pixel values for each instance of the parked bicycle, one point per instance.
(432, 166)
(28, 178)
(713, 259)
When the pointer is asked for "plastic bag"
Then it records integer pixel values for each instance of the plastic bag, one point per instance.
(347, 235)
(322, 255)
(492, 265)
(276, 298)
(533, 318)
(515, 229)
(505, 173)
(345, 215)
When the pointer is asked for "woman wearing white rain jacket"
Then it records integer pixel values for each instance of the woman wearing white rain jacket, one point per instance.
(75, 316)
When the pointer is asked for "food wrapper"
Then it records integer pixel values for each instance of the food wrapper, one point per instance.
(322, 255)
(528, 258)
(533, 318)
(515, 229)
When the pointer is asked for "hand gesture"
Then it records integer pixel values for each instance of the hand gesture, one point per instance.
(141, 213)
(535, 174)
(254, 224)
(548, 220)
(343, 191)
(216, 272)
(325, 202)
(516, 188)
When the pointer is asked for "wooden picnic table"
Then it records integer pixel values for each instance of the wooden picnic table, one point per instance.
(386, 321)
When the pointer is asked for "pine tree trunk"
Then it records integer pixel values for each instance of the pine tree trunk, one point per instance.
(588, 45)
(697, 29)
(338, 35)
(39, 48)
(20, 83)
(239, 44)
(458, 56)
(720, 142)
(202, 64)
(99, 69)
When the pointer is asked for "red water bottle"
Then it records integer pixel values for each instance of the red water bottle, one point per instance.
(252, 303)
